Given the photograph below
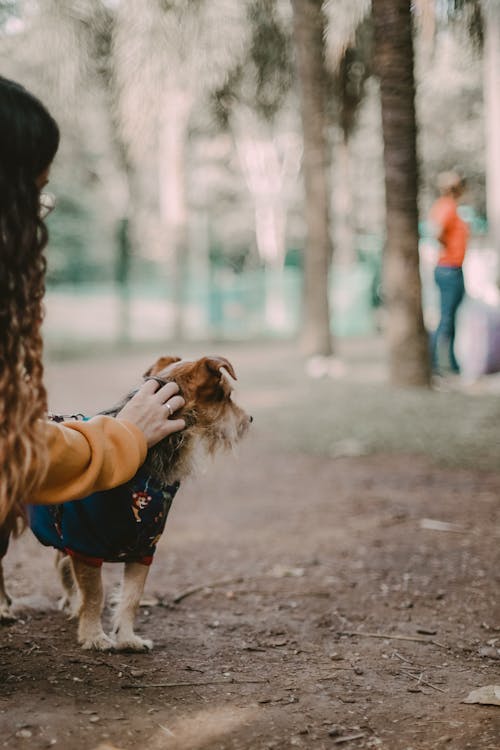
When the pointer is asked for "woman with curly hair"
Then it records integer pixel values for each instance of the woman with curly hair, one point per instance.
(42, 461)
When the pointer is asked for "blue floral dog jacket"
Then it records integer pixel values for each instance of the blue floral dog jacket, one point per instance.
(119, 525)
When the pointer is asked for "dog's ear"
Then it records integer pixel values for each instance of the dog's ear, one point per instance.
(215, 364)
(208, 379)
(160, 365)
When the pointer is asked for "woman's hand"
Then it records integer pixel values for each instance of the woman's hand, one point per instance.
(151, 408)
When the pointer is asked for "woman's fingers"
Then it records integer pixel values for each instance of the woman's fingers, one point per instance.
(171, 426)
(173, 404)
(165, 392)
(168, 395)
(150, 409)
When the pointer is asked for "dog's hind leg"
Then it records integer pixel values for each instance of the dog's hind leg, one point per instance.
(69, 600)
(90, 632)
(6, 614)
(134, 579)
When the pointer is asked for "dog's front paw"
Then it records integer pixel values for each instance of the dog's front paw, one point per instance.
(7, 616)
(98, 642)
(134, 643)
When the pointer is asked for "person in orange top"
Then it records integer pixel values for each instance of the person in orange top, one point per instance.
(43, 461)
(452, 234)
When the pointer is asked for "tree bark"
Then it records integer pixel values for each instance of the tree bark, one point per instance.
(309, 33)
(406, 335)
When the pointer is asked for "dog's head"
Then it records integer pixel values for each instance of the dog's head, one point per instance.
(213, 419)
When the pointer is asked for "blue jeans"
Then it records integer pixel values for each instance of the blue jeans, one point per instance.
(450, 282)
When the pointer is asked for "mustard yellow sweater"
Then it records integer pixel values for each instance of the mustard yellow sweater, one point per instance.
(89, 456)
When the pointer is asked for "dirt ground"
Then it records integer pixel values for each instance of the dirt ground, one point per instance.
(295, 600)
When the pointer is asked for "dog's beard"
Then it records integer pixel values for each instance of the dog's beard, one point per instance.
(186, 453)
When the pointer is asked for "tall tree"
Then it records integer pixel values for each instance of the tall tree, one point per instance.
(406, 334)
(309, 34)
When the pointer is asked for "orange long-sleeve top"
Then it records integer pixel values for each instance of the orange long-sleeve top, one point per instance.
(453, 232)
(89, 456)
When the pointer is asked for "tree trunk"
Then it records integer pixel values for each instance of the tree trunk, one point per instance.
(406, 334)
(491, 11)
(309, 33)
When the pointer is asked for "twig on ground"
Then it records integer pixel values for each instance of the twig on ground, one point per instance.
(133, 685)
(167, 731)
(401, 657)
(390, 636)
(261, 592)
(110, 665)
(95, 662)
(349, 738)
(421, 681)
(202, 587)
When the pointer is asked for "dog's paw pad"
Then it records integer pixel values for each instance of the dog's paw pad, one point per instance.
(135, 644)
(98, 643)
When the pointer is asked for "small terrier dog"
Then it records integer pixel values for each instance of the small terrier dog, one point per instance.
(125, 524)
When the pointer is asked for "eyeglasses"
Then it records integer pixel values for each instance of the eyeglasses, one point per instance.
(47, 204)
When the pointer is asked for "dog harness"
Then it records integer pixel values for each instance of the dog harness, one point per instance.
(123, 524)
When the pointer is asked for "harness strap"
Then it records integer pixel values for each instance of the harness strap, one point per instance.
(64, 417)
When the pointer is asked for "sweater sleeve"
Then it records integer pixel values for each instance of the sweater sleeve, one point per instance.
(89, 456)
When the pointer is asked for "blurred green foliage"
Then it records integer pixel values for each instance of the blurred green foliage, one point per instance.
(74, 253)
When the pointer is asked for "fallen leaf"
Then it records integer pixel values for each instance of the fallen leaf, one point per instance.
(489, 695)
(490, 652)
(433, 525)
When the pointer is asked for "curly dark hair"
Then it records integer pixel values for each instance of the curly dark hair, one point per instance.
(29, 138)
